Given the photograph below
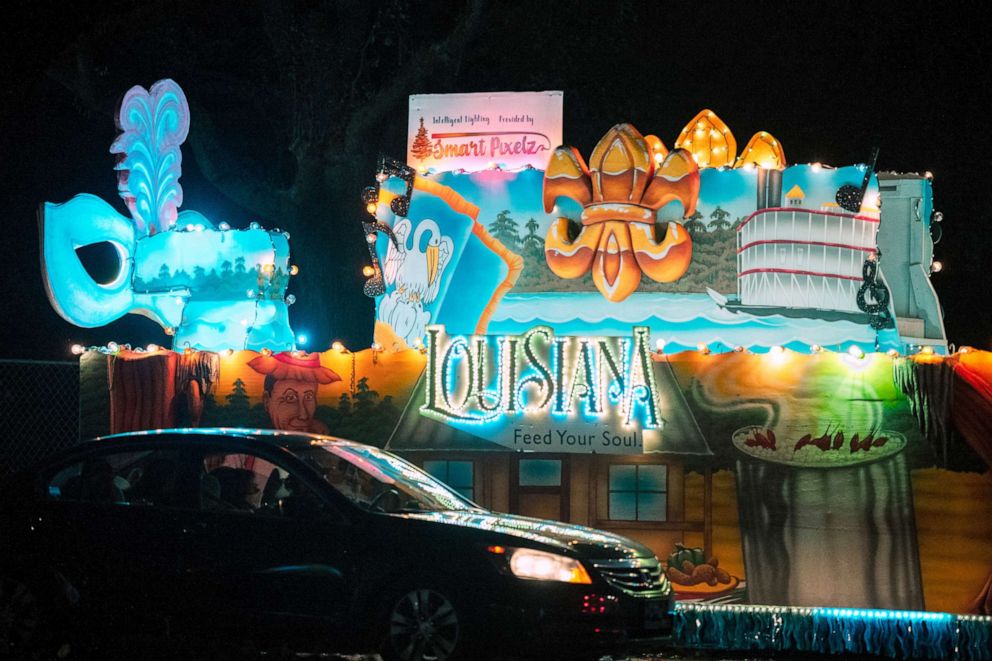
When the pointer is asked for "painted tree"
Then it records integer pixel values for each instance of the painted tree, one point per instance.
(718, 219)
(533, 241)
(694, 224)
(238, 403)
(421, 148)
(505, 230)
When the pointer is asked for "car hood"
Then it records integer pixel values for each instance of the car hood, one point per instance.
(588, 542)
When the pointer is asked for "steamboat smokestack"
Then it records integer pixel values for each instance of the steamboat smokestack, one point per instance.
(769, 189)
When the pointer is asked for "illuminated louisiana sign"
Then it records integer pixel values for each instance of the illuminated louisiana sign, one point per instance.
(544, 392)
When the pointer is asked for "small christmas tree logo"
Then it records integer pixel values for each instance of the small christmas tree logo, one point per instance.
(421, 148)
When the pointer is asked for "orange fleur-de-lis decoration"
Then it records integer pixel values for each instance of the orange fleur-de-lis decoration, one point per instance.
(620, 192)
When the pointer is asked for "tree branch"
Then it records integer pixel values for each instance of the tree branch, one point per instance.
(420, 65)
(236, 180)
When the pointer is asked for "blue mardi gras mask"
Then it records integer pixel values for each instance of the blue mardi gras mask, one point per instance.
(214, 287)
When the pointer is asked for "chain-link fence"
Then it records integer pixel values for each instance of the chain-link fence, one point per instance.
(39, 410)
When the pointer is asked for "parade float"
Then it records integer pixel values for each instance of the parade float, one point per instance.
(738, 361)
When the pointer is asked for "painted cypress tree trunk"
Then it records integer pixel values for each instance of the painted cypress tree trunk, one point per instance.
(841, 536)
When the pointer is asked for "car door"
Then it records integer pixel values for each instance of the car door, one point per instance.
(270, 549)
(113, 522)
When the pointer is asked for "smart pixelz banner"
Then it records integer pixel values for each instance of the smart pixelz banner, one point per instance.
(474, 131)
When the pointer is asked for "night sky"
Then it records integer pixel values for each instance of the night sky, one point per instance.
(829, 80)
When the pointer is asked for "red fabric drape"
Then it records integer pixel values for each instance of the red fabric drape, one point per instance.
(982, 604)
(142, 391)
(972, 417)
(972, 410)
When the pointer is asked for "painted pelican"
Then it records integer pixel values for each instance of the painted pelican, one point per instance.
(417, 272)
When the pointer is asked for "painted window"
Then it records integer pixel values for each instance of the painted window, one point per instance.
(459, 475)
(540, 472)
(638, 492)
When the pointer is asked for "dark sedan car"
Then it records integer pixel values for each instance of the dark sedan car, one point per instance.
(273, 535)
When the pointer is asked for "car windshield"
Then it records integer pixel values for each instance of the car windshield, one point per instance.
(376, 480)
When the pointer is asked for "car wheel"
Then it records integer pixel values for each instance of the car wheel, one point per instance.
(423, 624)
(20, 617)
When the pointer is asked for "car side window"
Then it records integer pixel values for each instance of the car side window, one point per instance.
(250, 484)
(144, 478)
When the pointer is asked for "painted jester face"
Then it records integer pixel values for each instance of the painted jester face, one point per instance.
(291, 404)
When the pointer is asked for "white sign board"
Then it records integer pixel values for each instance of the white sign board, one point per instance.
(476, 131)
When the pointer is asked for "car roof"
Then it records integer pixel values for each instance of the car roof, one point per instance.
(275, 437)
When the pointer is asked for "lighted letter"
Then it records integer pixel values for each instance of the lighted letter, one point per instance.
(642, 379)
(545, 381)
